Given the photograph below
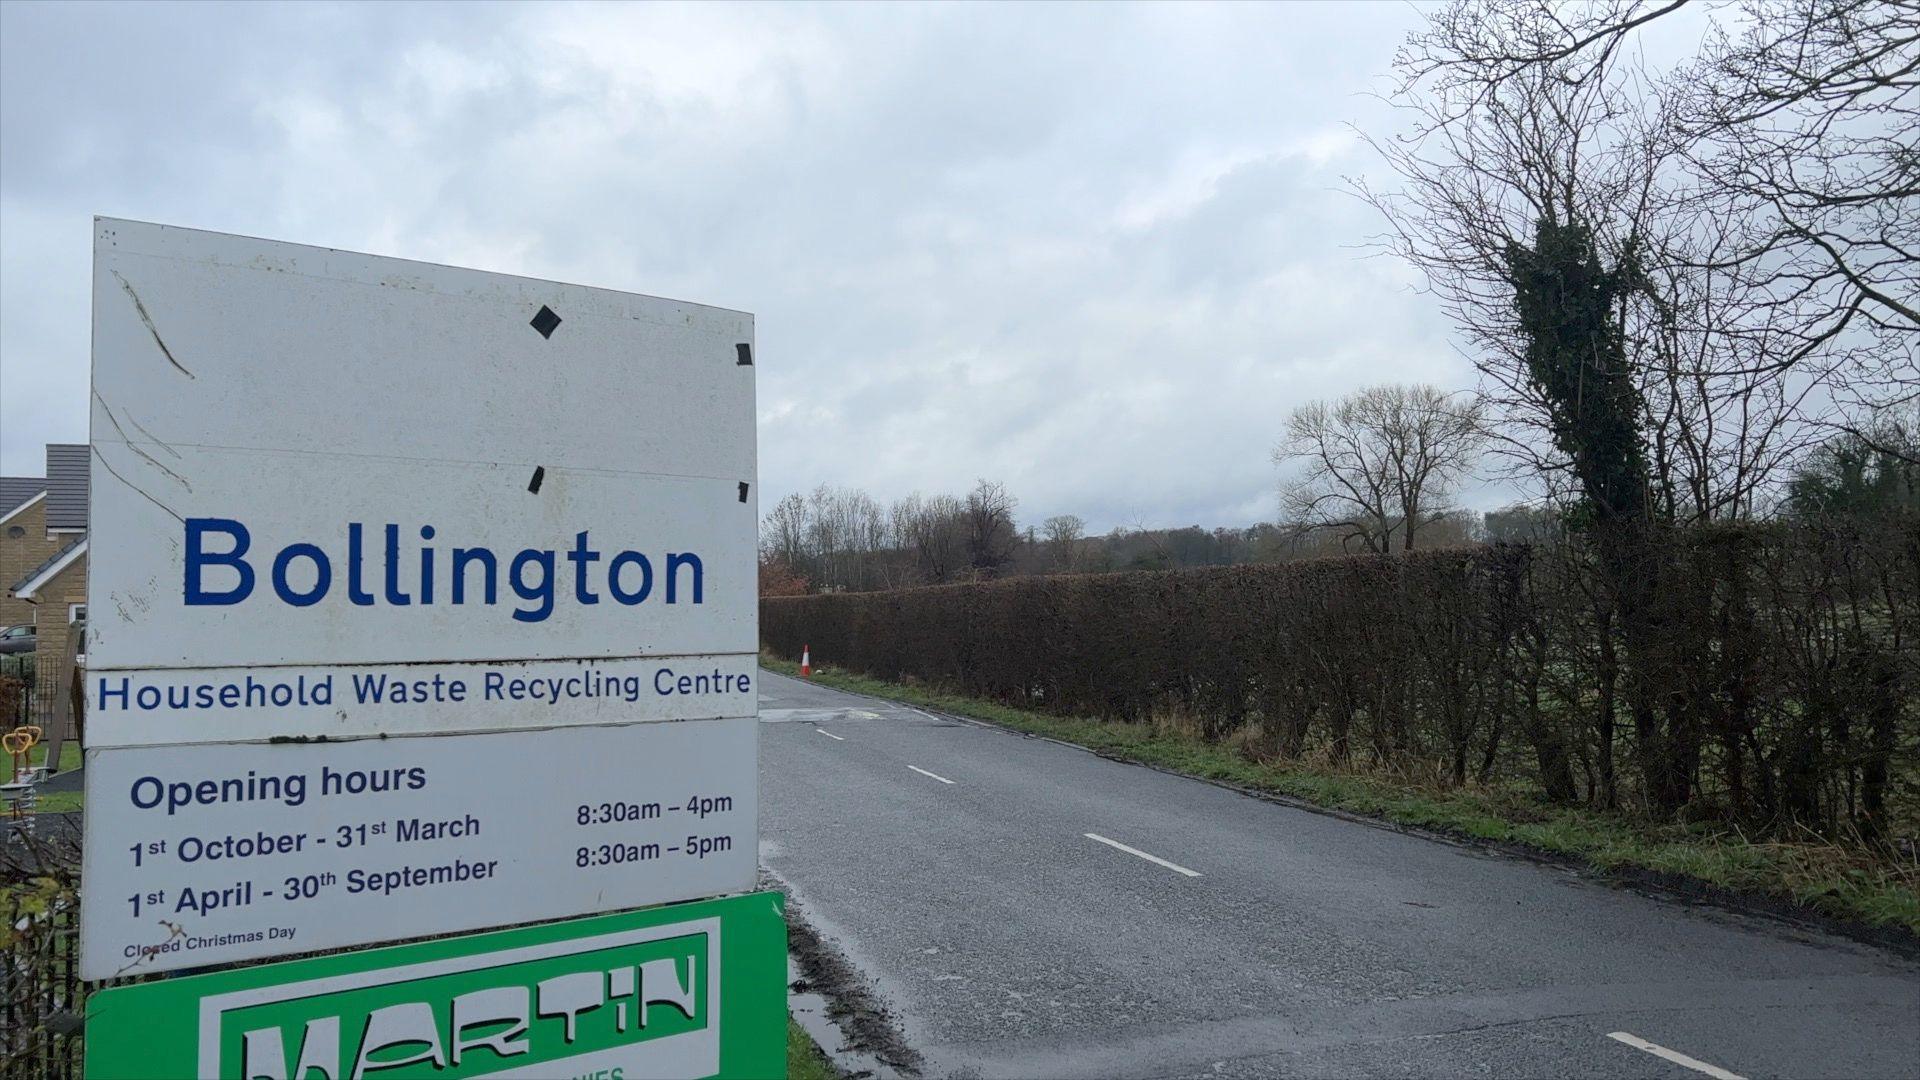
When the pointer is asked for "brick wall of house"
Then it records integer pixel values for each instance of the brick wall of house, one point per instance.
(53, 600)
(52, 603)
(21, 555)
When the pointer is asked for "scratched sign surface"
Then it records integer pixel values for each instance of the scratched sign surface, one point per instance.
(415, 471)
(337, 497)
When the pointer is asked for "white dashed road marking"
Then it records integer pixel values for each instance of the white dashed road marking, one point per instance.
(830, 735)
(1674, 1056)
(1155, 859)
(924, 772)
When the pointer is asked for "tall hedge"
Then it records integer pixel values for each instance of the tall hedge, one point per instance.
(1485, 663)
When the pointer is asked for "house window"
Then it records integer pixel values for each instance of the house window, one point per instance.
(76, 613)
(15, 532)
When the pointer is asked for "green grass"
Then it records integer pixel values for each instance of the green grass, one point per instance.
(59, 802)
(1837, 881)
(804, 1060)
(69, 755)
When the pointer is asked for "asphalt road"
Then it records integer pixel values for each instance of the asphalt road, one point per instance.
(951, 864)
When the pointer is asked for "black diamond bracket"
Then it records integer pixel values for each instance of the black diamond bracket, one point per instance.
(545, 321)
(745, 352)
(743, 491)
(539, 477)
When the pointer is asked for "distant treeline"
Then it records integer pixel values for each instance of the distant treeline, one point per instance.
(842, 540)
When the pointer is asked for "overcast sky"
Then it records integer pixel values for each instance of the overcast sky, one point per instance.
(1095, 252)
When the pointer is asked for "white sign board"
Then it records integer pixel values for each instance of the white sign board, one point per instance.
(337, 497)
(215, 853)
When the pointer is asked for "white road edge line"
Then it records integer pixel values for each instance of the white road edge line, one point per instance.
(1674, 1056)
(829, 734)
(1175, 867)
(924, 772)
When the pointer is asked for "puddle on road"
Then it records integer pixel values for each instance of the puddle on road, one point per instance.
(810, 1012)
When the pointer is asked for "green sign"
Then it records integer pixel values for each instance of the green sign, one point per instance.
(686, 990)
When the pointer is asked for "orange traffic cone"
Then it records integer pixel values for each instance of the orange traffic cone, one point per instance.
(806, 662)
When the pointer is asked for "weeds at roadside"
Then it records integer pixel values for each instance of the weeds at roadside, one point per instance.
(804, 1059)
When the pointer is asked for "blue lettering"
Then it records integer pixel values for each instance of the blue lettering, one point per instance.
(198, 558)
(674, 562)
(461, 558)
(322, 574)
(613, 577)
(580, 556)
(542, 592)
(107, 692)
(355, 591)
(426, 566)
(152, 783)
(368, 688)
(394, 595)
(533, 573)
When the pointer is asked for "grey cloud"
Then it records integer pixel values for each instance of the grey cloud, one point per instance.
(1096, 253)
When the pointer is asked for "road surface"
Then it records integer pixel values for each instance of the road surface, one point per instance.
(1028, 909)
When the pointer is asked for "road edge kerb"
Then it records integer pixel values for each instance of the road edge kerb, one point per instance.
(864, 1021)
(1663, 885)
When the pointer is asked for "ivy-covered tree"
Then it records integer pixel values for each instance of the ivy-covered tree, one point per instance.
(1568, 307)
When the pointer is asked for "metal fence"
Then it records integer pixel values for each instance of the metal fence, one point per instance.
(44, 690)
(41, 995)
(43, 999)
(18, 706)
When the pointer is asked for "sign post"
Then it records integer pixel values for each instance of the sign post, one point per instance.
(423, 600)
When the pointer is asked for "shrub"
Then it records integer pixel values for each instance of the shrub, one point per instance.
(1787, 658)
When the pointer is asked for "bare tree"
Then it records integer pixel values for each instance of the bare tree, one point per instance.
(991, 536)
(1801, 128)
(1778, 186)
(1531, 124)
(1636, 261)
(783, 536)
(846, 535)
(835, 538)
(934, 530)
(1063, 533)
(1808, 118)
(1379, 465)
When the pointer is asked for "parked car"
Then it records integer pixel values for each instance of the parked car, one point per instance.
(17, 639)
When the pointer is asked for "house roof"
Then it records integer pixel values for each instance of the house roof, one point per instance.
(16, 490)
(67, 475)
(47, 571)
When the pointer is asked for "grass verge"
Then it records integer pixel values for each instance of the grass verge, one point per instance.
(1835, 881)
(804, 1060)
(60, 802)
(69, 755)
